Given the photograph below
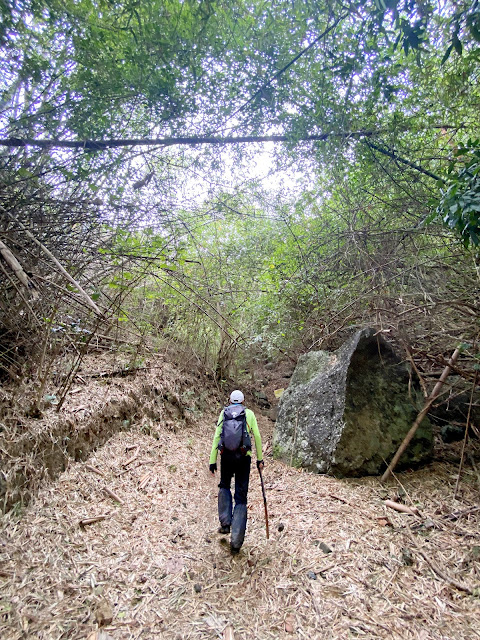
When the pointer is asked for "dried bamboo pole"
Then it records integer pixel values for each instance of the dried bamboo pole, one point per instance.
(421, 415)
(86, 521)
(145, 480)
(13, 263)
(62, 269)
(402, 508)
(132, 458)
(113, 495)
(90, 467)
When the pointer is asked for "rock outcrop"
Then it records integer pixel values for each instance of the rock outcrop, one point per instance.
(346, 412)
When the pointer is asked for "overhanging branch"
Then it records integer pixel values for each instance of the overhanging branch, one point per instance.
(99, 145)
(394, 156)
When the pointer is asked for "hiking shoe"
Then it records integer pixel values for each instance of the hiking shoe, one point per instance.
(234, 551)
(224, 529)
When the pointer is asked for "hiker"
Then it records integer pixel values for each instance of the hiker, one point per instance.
(235, 425)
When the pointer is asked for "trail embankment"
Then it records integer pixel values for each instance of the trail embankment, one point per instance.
(37, 441)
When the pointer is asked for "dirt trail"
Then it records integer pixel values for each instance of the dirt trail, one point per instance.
(158, 564)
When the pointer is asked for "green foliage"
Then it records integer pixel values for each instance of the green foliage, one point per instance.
(465, 28)
(459, 206)
(237, 271)
(97, 69)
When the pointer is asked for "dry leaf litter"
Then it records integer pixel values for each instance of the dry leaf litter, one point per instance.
(124, 545)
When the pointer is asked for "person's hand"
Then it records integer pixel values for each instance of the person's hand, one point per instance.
(260, 465)
(213, 468)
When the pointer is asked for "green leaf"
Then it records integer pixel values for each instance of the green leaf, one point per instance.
(380, 4)
(474, 237)
(457, 45)
(446, 55)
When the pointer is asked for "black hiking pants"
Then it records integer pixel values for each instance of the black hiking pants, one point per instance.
(238, 466)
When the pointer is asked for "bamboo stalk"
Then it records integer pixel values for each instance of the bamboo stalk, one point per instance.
(402, 508)
(20, 293)
(145, 480)
(94, 470)
(13, 263)
(112, 494)
(131, 459)
(421, 415)
(451, 581)
(48, 253)
(86, 521)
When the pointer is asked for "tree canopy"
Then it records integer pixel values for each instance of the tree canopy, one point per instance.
(238, 174)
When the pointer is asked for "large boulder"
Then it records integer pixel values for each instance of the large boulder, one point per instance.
(346, 412)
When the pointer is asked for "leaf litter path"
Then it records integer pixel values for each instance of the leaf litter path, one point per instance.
(157, 566)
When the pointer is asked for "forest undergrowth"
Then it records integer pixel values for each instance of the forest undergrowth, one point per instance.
(123, 544)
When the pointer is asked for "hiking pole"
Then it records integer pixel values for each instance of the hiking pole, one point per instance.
(264, 501)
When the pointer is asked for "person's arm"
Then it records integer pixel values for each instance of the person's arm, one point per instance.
(216, 439)
(252, 423)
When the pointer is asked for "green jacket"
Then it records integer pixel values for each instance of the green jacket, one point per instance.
(252, 428)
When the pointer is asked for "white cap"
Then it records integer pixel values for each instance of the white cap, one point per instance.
(236, 397)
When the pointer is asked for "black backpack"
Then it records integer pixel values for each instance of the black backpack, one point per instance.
(235, 436)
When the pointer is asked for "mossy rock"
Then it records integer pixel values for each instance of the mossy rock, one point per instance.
(347, 412)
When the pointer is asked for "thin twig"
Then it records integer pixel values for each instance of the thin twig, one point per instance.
(465, 437)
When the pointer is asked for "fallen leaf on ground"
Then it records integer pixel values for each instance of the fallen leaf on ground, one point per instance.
(384, 522)
(289, 623)
(228, 633)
